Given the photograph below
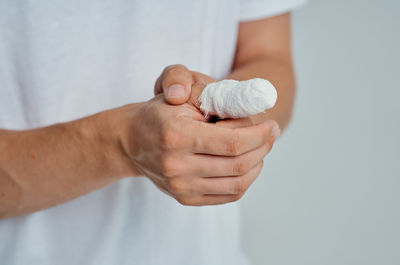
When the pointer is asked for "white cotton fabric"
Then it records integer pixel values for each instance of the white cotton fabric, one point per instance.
(237, 99)
(64, 59)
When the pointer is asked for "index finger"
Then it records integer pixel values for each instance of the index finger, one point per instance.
(214, 140)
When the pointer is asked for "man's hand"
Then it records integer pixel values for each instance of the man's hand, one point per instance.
(196, 162)
(179, 85)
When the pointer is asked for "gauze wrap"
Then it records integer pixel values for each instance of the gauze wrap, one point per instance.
(237, 99)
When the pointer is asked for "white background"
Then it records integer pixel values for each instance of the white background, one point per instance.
(329, 192)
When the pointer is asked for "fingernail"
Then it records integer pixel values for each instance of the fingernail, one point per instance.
(276, 132)
(176, 91)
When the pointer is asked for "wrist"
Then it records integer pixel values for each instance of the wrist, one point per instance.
(101, 135)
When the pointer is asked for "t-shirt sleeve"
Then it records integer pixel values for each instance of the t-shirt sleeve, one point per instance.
(258, 9)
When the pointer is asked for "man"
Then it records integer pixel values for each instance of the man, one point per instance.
(80, 163)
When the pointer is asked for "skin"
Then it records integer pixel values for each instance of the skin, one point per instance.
(264, 51)
(196, 162)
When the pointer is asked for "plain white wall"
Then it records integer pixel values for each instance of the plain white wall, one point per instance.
(329, 192)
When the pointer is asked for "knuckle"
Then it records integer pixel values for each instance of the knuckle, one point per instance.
(176, 185)
(168, 166)
(241, 167)
(237, 197)
(239, 186)
(233, 146)
(264, 134)
(266, 148)
(169, 138)
(177, 69)
(186, 201)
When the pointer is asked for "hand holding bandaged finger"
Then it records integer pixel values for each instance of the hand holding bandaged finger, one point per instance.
(194, 161)
(224, 99)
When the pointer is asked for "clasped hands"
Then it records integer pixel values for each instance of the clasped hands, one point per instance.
(168, 140)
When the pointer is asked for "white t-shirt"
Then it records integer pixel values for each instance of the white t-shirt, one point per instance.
(61, 60)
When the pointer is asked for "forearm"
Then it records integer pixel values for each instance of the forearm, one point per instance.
(279, 71)
(44, 167)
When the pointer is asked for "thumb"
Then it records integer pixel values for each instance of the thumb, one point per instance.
(176, 83)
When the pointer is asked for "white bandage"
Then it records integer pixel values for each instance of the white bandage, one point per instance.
(237, 99)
